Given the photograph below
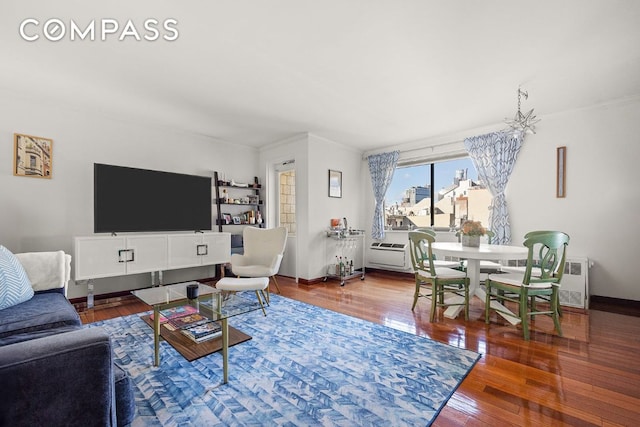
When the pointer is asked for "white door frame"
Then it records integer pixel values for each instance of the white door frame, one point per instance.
(274, 191)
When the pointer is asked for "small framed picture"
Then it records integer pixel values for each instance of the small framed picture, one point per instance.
(335, 183)
(236, 220)
(32, 156)
(561, 166)
(227, 218)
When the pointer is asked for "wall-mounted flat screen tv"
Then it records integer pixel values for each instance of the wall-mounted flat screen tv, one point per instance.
(135, 200)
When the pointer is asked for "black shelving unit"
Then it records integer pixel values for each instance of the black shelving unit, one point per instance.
(239, 202)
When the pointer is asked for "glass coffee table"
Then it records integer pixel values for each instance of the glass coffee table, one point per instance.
(212, 303)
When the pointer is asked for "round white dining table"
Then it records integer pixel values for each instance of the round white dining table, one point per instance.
(474, 256)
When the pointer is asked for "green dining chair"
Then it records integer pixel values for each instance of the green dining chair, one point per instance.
(535, 270)
(433, 282)
(547, 251)
(441, 262)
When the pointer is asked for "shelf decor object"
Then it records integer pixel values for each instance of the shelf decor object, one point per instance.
(561, 165)
(32, 156)
(335, 183)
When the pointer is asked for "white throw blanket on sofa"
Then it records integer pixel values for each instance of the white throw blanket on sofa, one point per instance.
(46, 270)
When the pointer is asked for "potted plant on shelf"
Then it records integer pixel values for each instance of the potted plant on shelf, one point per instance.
(470, 233)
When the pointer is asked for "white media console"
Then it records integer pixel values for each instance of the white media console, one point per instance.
(108, 256)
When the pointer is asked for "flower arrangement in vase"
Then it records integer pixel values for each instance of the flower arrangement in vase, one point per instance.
(470, 233)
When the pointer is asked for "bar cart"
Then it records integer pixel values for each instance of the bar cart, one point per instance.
(343, 262)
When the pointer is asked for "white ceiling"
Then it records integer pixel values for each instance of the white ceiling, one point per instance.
(366, 73)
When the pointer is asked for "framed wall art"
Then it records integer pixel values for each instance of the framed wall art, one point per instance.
(561, 166)
(335, 183)
(32, 156)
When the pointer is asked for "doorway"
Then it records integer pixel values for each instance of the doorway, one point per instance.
(286, 214)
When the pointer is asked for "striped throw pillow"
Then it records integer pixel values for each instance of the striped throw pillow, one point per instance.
(14, 283)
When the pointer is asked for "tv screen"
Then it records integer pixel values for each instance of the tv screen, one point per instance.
(129, 199)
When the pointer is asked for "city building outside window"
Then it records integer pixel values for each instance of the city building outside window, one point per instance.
(455, 195)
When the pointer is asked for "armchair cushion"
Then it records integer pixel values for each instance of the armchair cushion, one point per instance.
(44, 314)
(15, 286)
(241, 265)
(263, 252)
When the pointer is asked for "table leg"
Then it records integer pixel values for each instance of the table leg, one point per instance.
(225, 350)
(473, 271)
(156, 336)
(480, 293)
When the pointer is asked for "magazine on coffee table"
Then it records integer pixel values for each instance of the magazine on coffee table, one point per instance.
(204, 331)
(172, 313)
(179, 311)
(189, 320)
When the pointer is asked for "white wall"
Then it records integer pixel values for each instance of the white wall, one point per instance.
(314, 156)
(45, 214)
(325, 155)
(600, 211)
(296, 149)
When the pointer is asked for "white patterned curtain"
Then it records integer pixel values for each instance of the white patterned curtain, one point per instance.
(494, 156)
(381, 168)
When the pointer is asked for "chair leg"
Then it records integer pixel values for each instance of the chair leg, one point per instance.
(524, 317)
(261, 304)
(434, 302)
(265, 296)
(555, 308)
(466, 301)
(276, 282)
(415, 296)
(557, 298)
(487, 302)
(533, 303)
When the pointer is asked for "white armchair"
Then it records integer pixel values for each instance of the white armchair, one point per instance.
(263, 253)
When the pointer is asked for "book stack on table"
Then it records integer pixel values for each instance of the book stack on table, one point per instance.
(203, 331)
(191, 323)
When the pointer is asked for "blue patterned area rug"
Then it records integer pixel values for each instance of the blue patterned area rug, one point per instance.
(305, 366)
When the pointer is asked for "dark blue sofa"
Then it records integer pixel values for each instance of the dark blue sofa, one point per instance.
(54, 372)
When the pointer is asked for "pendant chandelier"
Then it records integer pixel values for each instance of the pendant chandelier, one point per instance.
(524, 123)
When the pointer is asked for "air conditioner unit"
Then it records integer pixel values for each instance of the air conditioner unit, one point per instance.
(386, 254)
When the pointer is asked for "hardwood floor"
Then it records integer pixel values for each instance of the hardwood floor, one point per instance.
(589, 377)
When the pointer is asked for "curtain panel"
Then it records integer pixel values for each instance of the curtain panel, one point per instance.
(381, 168)
(494, 156)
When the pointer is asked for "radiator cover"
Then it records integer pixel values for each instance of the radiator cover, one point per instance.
(574, 289)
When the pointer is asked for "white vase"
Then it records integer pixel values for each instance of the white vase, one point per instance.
(471, 241)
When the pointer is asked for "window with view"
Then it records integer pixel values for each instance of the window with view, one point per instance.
(442, 195)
